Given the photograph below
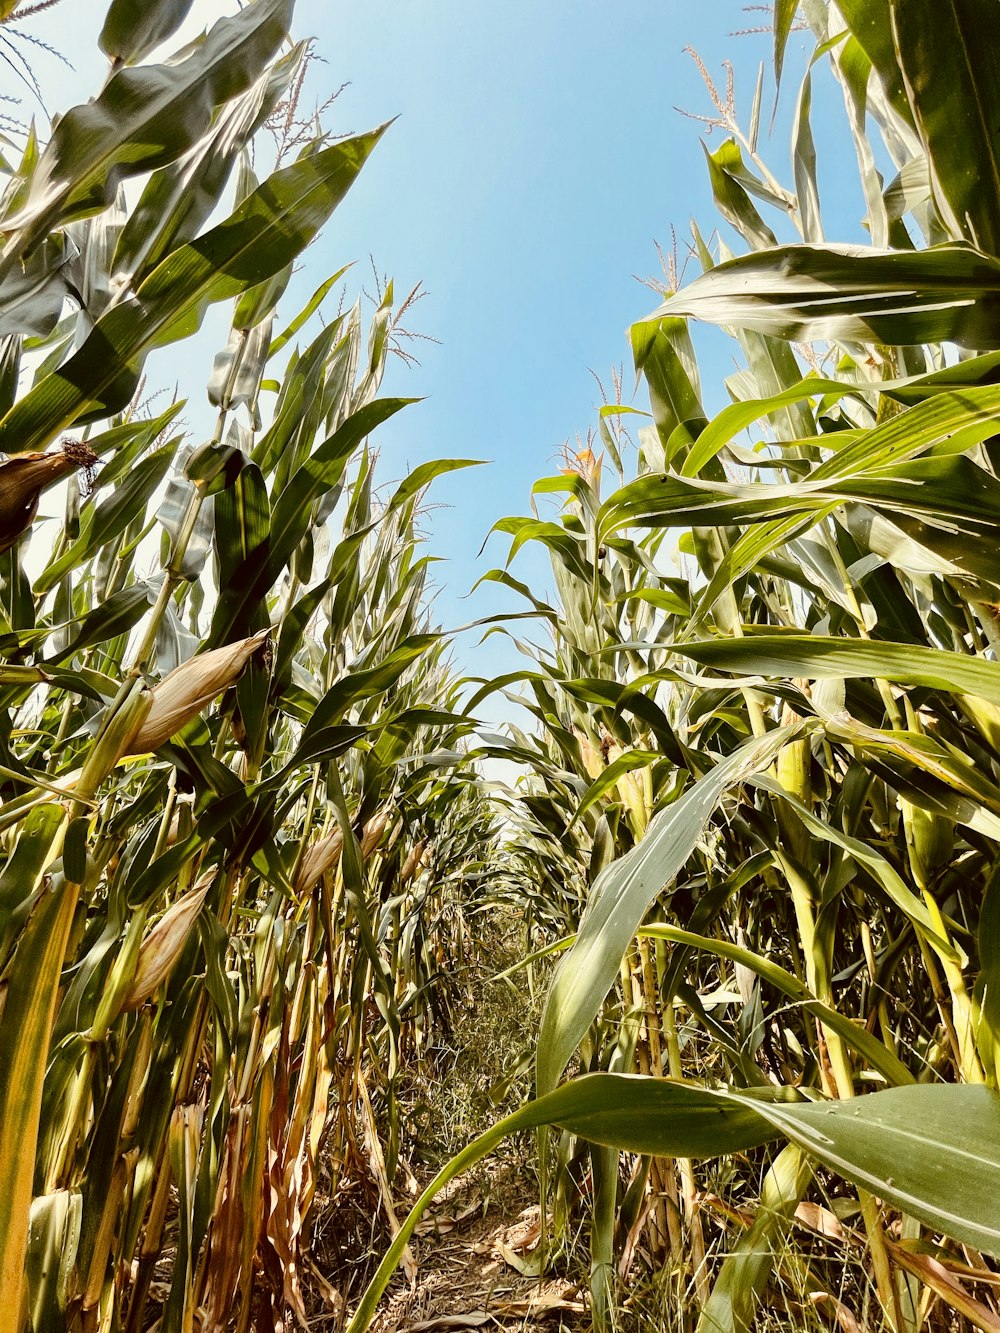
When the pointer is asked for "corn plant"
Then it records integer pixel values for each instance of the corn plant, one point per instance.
(763, 815)
(239, 822)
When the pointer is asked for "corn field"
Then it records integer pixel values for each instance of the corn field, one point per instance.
(251, 840)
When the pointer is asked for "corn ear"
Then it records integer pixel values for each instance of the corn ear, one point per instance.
(22, 480)
(325, 854)
(373, 831)
(593, 762)
(124, 718)
(164, 944)
(188, 689)
(412, 863)
(322, 856)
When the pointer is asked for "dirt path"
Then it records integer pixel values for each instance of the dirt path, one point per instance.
(471, 1268)
(474, 1256)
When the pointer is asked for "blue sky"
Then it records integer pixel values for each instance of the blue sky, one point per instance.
(536, 157)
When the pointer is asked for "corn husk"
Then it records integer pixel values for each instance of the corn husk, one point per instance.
(189, 688)
(112, 742)
(373, 831)
(161, 948)
(180, 824)
(593, 762)
(412, 863)
(324, 854)
(23, 478)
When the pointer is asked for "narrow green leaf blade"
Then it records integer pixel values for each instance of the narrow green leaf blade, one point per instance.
(143, 119)
(948, 293)
(816, 657)
(784, 17)
(270, 228)
(933, 1150)
(133, 28)
(25, 1030)
(953, 84)
(620, 899)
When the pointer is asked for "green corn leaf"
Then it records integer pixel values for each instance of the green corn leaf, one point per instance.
(725, 169)
(179, 199)
(870, 22)
(102, 523)
(422, 476)
(817, 657)
(949, 293)
(372, 681)
(142, 120)
(663, 353)
(953, 87)
(115, 616)
(291, 516)
(858, 1038)
(300, 388)
(749, 1266)
(22, 875)
(951, 493)
(620, 899)
(932, 1150)
(133, 28)
(881, 870)
(32, 294)
(937, 777)
(268, 229)
(629, 699)
(306, 313)
(804, 165)
(604, 1109)
(738, 416)
(956, 419)
(52, 1250)
(242, 524)
(784, 17)
(628, 762)
(988, 982)
(746, 553)
(25, 1027)
(320, 473)
(293, 626)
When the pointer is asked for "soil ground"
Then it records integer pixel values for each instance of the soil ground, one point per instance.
(481, 1233)
(469, 1257)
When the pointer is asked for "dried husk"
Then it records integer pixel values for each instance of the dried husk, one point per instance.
(412, 863)
(373, 831)
(189, 688)
(180, 824)
(23, 478)
(164, 944)
(324, 855)
(593, 762)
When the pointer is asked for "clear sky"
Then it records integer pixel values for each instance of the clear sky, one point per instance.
(536, 157)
